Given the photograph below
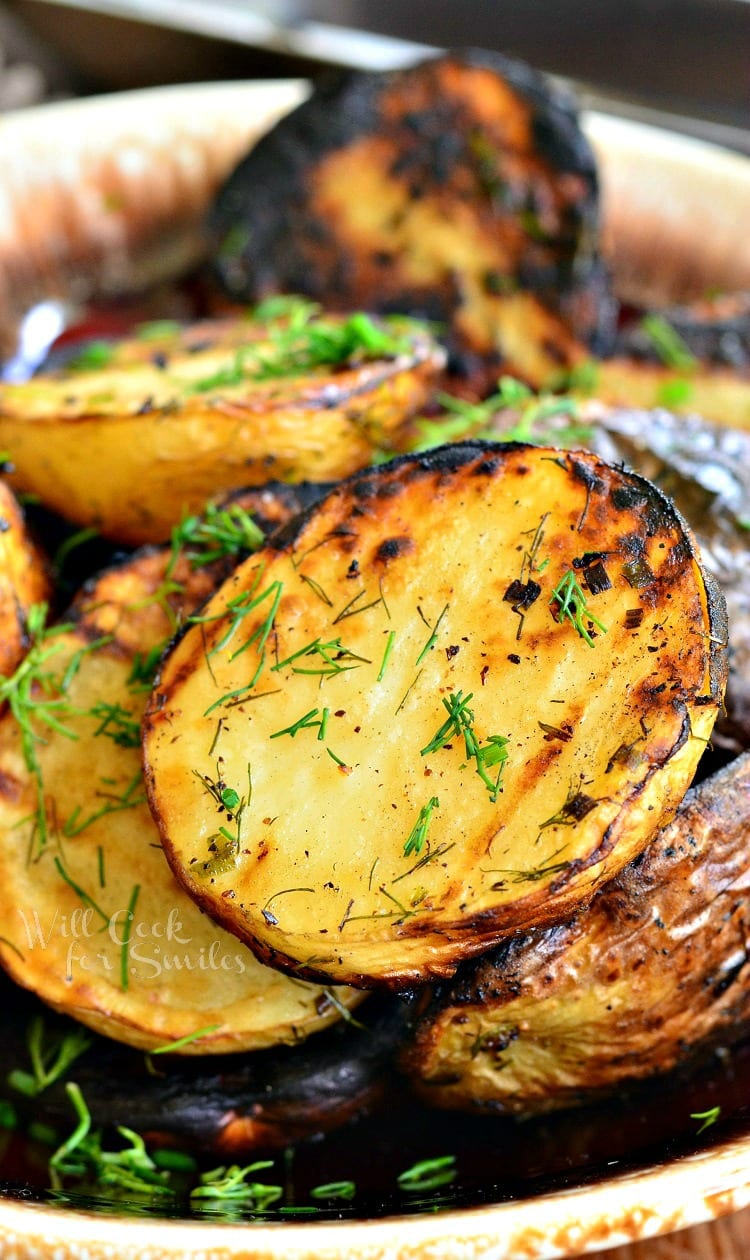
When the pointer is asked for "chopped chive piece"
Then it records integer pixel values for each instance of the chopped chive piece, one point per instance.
(187, 1040)
(571, 605)
(418, 834)
(429, 1174)
(386, 654)
(668, 343)
(126, 931)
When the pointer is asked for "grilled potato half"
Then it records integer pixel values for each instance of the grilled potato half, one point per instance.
(461, 190)
(93, 919)
(24, 581)
(132, 446)
(452, 700)
(655, 968)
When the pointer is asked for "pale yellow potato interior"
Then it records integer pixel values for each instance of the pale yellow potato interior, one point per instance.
(329, 876)
(65, 903)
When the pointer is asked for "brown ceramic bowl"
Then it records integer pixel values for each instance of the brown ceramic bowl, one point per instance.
(77, 225)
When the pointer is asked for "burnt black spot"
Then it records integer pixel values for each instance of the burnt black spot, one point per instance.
(5, 525)
(522, 594)
(624, 497)
(391, 548)
(597, 579)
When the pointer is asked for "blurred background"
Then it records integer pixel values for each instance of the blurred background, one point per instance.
(682, 63)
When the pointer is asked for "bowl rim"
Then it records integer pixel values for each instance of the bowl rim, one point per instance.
(628, 1206)
(625, 1208)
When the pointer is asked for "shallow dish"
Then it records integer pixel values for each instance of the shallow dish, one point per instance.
(81, 222)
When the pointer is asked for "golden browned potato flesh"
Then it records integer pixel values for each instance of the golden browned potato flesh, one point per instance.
(455, 698)
(461, 189)
(24, 580)
(93, 919)
(131, 447)
(653, 970)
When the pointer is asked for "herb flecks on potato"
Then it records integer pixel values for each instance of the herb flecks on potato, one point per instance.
(460, 190)
(466, 689)
(93, 919)
(653, 970)
(129, 440)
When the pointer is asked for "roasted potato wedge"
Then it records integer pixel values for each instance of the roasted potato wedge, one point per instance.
(718, 394)
(461, 190)
(93, 920)
(228, 1104)
(703, 467)
(654, 969)
(373, 668)
(24, 581)
(131, 448)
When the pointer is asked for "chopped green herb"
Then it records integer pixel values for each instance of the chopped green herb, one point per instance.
(36, 697)
(92, 357)
(460, 722)
(668, 343)
(187, 1040)
(306, 722)
(218, 532)
(83, 1158)
(571, 605)
(126, 932)
(433, 636)
(334, 1190)
(386, 654)
(707, 1117)
(301, 339)
(418, 834)
(429, 1174)
(118, 724)
(51, 1054)
(232, 1184)
(130, 798)
(334, 658)
(158, 330)
(675, 393)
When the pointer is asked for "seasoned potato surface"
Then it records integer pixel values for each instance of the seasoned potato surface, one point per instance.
(456, 697)
(93, 919)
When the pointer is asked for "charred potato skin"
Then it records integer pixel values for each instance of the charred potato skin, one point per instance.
(429, 139)
(229, 1104)
(647, 979)
(476, 930)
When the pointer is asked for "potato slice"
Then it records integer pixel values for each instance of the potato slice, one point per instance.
(439, 755)
(93, 920)
(655, 968)
(24, 581)
(461, 189)
(131, 447)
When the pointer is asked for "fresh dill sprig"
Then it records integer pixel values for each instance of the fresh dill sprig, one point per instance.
(217, 533)
(418, 835)
(113, 803)
(429, 1174)
(460, 721)
(300, 338)
(335, 658)
(51, 1052)
(117, 723)
(707, 1117)
(543, 419)
(232, 1184)
(668, 343)
(572, 605)
(82, 1157)
(36, 696)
